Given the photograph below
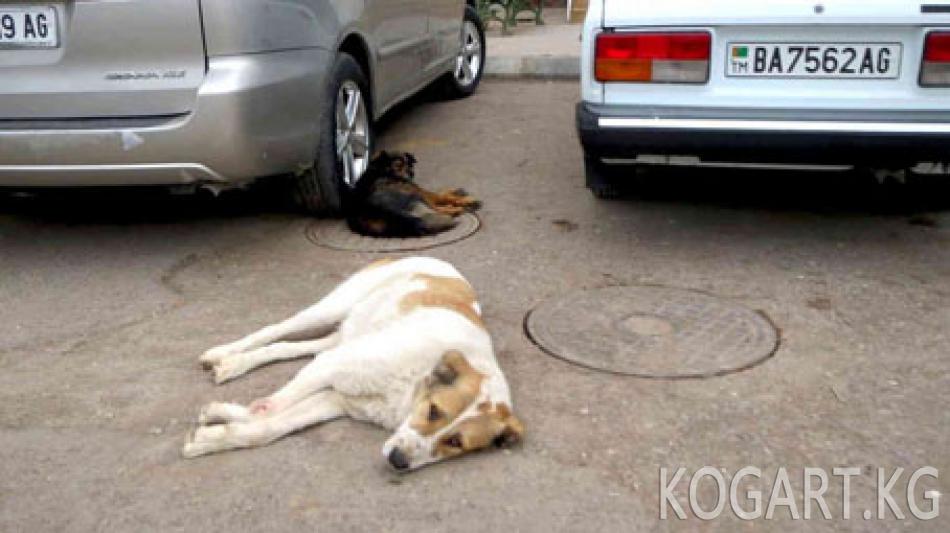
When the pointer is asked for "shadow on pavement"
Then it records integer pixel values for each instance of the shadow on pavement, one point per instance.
(143, 205)
(830, 192)
(843, 193)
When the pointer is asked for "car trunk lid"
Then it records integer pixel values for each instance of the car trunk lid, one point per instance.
(110, 59)
(758, 12)
(733, 24)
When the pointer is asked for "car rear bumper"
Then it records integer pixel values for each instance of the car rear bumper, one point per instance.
(255, 115)
(773, 136)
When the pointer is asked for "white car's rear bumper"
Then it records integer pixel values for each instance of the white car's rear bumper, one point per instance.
(804, 126)
(775, 136)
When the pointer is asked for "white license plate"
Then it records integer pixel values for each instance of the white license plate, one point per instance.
(814, 60)
(28, 27)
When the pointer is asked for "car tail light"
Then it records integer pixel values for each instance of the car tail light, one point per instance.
(936, 67)
(667, 57)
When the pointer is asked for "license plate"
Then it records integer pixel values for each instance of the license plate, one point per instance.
(28, 27)
(814, 60)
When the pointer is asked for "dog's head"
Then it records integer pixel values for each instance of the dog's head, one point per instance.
(452, 414)
(394, 165)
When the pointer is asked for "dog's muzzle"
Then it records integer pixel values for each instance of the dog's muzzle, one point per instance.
(398, 459)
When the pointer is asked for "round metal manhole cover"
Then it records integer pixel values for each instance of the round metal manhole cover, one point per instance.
(337, 235)
(652, 332)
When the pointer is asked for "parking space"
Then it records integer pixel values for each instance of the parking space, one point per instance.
(107, 299)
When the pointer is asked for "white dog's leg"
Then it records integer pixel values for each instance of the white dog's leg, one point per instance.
(240, 363)
(361, 365)
(324, 314)
(315, 377)
(222, 413)
(321, 407)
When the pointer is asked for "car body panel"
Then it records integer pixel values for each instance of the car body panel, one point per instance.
(406, 51)
(233, 28)
(762, 113)
(393, 32)
(444, 18)
(774, 12)
(591, 89)
(402, 42)
(253, 116)
(158, 72)
(729, 92)
(893, 21)
(253, 91)
(829, 137)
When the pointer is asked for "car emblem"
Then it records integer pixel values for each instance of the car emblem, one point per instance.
(139, 75)
(819, 9)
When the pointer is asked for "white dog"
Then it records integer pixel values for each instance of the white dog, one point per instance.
(404, 347)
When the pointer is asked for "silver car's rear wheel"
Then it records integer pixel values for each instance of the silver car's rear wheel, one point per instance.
(352, 133)
(346, 141)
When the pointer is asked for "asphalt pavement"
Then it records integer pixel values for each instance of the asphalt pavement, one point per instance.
(108, 297)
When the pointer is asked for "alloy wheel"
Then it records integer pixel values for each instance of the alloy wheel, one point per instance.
(469, 61)
(352, 132)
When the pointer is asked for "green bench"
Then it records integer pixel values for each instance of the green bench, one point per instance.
(510, 9)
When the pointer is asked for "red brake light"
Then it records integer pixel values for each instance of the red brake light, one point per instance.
(935, 70)
(937, 47)
(657, 57)
(684, 46)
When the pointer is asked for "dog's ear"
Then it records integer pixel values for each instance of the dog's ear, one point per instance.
(512, 430)
(408, 165)
(381, 162)
(444, 373)
(451, 365)
(378, 161)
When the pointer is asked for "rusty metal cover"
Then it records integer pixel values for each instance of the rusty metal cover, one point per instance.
(337, 235)
(652, 332)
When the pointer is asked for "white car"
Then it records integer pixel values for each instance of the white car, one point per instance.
(832, 82)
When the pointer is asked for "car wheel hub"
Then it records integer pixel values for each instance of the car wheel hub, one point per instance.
(469, 61)
(352, 132)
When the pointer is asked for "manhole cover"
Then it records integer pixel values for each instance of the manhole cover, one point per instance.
(337, 235)
(652, 332)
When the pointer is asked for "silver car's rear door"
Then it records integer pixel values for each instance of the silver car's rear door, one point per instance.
(445, 25)
(401, 33)
(99, 58)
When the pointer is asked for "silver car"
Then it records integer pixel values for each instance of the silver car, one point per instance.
(217, 93)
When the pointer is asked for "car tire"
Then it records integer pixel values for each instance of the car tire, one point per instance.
(321, 189)
(470, 62)
(600, 181)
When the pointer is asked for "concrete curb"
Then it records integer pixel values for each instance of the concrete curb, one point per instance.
(543, 67)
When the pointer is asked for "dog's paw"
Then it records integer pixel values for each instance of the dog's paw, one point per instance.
(189, 450)
(216, 354)
(473, 205)
(223, 413)
(228, 368)
(451, 211)
(203, 440)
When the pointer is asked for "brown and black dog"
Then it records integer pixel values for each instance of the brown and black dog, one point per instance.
(386, 202)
